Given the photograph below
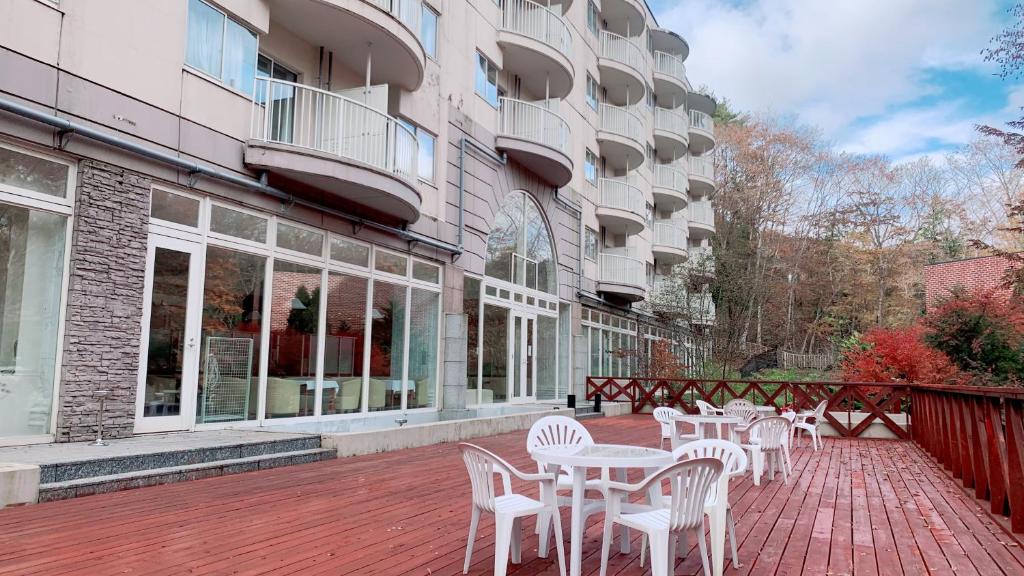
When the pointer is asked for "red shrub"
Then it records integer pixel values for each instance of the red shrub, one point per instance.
(898, 355)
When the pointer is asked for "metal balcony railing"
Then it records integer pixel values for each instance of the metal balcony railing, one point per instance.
(670, 65)
(702, 121)
(672, 233)
(622, 50)
(666, 176)
(622, 121)
(408, 12)
(703, 213)
(622, 266)
(672, 121)
(623, 195)
(703, 166)
(533, 122)
(536, 21)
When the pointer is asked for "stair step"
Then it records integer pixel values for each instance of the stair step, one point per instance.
(587, 412)
(153, 476)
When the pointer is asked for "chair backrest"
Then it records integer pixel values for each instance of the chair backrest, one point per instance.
(789, 415)
(773, 431)
(664, 414)
(819, 412)
(730, 454)
(557, 431)
(706, 408)
(738, 402)
(745, 409)
(482, 465)
(690, 483)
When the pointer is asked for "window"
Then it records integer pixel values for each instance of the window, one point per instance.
(650, 97)
(650, 154)
(486, 80)
(592, 17)
(391, 263)
(294, 328)
(220, 47)
(591, 91)
(590, 167)
(590, 245)
(426, 272)
(349, 252)
(428, 31)
(300, 239)
(520, 248)
(426, 141)
(242, 225)
(175, 208)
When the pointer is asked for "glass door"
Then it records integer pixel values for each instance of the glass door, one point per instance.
(523, 334)
(168, 362)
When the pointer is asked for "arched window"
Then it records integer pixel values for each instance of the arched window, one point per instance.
(519, 248)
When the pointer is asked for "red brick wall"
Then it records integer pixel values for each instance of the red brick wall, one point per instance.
(973, 274)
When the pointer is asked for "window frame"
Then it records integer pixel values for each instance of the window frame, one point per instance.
(431, 54)
(588, 235)
(587, 155)
(486, 64)
(417, 132)
(251, 92)
(593, 18)
(592, 100)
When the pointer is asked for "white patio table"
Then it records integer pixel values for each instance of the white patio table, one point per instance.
(766, 411)
(724, 426)
(605, 457)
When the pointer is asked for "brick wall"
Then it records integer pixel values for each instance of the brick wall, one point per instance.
(973, 274)
(104, 303)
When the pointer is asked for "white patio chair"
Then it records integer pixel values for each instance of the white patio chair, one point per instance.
(562, 431)
(708, 409)
(690, 483)
(509, 508)
(717, 508)
(663, 415)
(745, 409)
(769, 440)
(809, 421)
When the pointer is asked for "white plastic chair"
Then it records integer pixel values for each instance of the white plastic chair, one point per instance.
(810, 421)
(745, 409)
(670, 427)
(561, 431)
(690, 482)
(717, 508)
(509, 508)
(769, 440)
(708, 409)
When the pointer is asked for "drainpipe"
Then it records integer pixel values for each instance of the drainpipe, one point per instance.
(194, 168)
(502, 160)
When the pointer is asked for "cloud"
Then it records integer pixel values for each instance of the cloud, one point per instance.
(914, 132)
(834, 63)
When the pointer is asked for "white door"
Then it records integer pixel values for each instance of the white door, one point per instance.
(523, 335)
(168, 361)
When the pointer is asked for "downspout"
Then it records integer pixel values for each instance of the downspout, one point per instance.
(502, 160)
(194, 168)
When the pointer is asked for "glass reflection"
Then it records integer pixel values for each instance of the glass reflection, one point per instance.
(344, 344)
(294, 319)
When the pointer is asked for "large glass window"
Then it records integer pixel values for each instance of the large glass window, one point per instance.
(231, 334)
(387, 341)
(28, 172)
(546, 357)
(220, 47)
(344, 344)
(494, 386)
(486, 79)
(519, 248)
(471, 307)
(593, 17)
(294, 322)
(428, 31)
(423, 333)
(31, 273)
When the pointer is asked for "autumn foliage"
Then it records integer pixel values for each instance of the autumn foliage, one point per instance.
(898, 355)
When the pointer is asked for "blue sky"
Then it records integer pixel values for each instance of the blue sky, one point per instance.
(903, 78)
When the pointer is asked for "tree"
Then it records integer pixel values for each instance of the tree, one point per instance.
(897, 355)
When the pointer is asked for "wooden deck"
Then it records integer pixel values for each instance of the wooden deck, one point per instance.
(857, 507)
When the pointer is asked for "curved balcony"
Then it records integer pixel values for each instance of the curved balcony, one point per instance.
(670, 187)
(621, 208)
(670, 240)
(670, 83)
(702, 176)
(702, 132)
(335, 146)
(702, 261)
(702, 220)
(623, 68)
(624, 16)
(620, 136)
(671, 132)
(536, 138)
(622, 273)
(351, 28)
(537, 46)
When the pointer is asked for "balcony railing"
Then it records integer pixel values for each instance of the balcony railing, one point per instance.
(533, 122)
(538, 22)
(702, 121)
(622, 195)
(671, 233)
(623, 266)
(700, 254)
(622, 121)
(407, 12)
(703, 166)
(307, 117)
(702, 213)
(670, 65)
(702, 308)
(666, 176)
(622, 50)
(672, 121)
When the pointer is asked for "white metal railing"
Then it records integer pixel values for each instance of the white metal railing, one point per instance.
(700, 253)
(671, 233)
(666, 176)
(623, 195)
(672, 121)
(622, 121)
(533, 122)
(702, 212)
(307, 117)
(622, 266)
(538, 22)
(670, 65)
(408, 12)
(702, 121)
(702, 307)
(622, 50)
(703, 166)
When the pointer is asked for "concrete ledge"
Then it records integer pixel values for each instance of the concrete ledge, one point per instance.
(19, 484)
(610, 409)
(417, 435)
(877, 428)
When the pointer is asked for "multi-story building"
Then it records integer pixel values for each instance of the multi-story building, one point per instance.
(231, 212)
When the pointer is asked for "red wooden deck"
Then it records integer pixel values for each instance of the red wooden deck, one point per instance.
(857, 507)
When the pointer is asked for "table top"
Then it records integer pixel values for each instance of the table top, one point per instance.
(602, 456)
(708, 418)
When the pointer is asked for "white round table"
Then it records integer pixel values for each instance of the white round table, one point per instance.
(766, 411)
(724, 426)
(605, 457)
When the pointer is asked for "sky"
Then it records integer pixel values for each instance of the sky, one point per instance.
(900, 78)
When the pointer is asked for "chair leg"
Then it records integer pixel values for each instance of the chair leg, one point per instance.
(556, 519)
(517, 541)
(730, 521)
(757, 463)
(673, 551)
(473, 523)
(702, 547)
(606, 542)
(660, 562)
(502, 544)
(643, 549)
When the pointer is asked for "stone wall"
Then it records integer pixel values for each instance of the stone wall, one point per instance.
(104, 303)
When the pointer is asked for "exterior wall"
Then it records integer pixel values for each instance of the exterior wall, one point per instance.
(972, 274)
(104, 304)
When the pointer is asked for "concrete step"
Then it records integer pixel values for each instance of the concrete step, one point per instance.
(180, 473)
(587, 412)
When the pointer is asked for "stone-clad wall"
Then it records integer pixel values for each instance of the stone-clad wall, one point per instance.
(104, 302)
